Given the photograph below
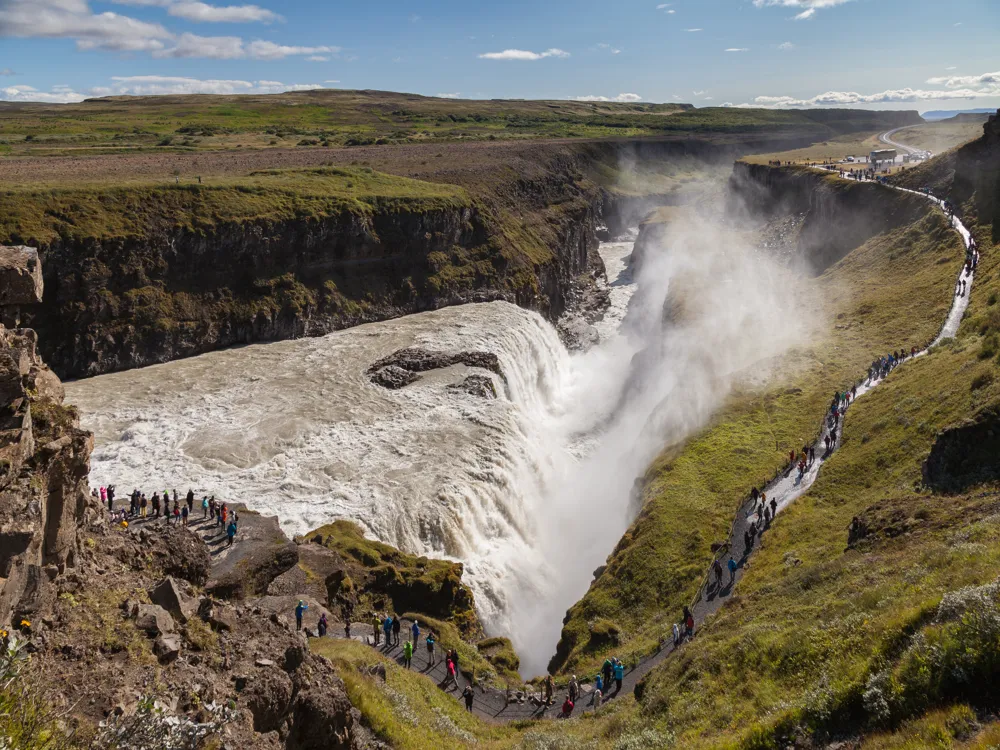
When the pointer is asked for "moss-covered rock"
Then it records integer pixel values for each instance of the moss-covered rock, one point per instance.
(369, 573)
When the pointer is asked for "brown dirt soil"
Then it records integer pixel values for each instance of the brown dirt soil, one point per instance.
(456, 163)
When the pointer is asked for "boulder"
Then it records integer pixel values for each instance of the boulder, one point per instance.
(268, 699)
(295, 656)
(322, 719)
(261, 553)
(222, 617)
(393, 377)
(167, 647)
(20, 276)
(179, 553)
(154, 619)
(167, 595)
(477, 385)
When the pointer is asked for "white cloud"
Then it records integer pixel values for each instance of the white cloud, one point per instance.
(699, 93)
(234, 48)
(73, 19)
(737, 49)
(28, 94)
(952, 67)
(786, 46)
(708, 98)
(162, 85)
(671, 12)
(456, 95)
(608, 47)
(957, 24)
(331, 81)
(691, 31)
(214, 47)
(520, 54)
(808, 7)
(621, 98)
(954, 82)
(318, 58)
(956, 87)
(661, 6)
(261, 50)
(193, 10)
(6, 72)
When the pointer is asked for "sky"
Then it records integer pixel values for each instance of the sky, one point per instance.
(879, 54)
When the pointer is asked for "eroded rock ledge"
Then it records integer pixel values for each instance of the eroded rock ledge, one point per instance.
(401, 368)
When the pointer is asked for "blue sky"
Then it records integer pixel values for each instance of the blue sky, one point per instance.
(899, 54)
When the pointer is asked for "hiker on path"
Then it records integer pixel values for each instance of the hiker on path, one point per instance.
(190, 500)
(430, 648)
(321, 627)
(619, 669)
(598, 698)
(598, 683)
(387, 630)
(717, 569)
(396, 627)
(204, 507)
(732, 567)
(376, 626)
(177, 513)
(567, 707)
(574, 689)
(230, 533)
(407, 653)
(774, 507)
(677, 635)
(607, 668)
(415, 630)
(184, 515)
(469, 697)
(451, 678)
(347, 628)
(549, 689)
(300, 608)
(142, 506)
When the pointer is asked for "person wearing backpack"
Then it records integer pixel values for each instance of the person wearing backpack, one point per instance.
(430, 648)
(407, 654)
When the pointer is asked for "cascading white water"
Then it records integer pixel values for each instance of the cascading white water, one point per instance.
(295, 428)
(530, 490)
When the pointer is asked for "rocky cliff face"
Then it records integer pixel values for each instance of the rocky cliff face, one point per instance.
(839, 215)
(118, 304)
(44, 456)
(170, 289)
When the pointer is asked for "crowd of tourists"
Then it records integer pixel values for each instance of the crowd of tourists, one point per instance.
(174, 509)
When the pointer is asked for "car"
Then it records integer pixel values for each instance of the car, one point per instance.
(849, 158)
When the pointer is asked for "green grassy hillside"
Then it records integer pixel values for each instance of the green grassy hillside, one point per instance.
(894, 290)
(329, 117)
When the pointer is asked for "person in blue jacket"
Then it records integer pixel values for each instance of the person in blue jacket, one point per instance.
(299, 610)
(387, 629)
(619, 669)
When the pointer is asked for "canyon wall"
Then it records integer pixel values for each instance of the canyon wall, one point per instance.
(139, 276)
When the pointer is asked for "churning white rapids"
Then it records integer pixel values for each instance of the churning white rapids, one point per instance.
(530, 490)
